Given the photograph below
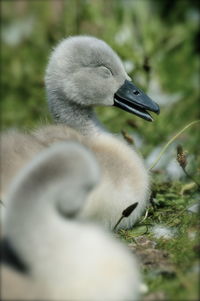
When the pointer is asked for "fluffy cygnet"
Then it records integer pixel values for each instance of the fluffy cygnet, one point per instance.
(84, 72)
(54, 255)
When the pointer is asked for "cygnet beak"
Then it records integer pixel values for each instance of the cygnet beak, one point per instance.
(131, 99)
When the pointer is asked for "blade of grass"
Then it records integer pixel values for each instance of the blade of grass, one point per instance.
(170, 142)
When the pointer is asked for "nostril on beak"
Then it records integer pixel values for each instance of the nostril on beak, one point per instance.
(136, 92)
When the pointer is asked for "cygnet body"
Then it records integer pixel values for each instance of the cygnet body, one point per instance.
(64, 259)
(84, 72)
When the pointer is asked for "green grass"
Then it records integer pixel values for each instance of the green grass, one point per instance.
(176, 274)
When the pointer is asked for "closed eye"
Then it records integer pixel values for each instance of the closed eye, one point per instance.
(106, 67)
(105, 71)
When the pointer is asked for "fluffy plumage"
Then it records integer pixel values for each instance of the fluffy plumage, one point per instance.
(84, 72)
(67, 260)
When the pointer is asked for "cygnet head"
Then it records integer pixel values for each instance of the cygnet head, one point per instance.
(84, 71)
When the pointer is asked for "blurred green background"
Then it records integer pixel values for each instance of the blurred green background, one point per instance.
(158, 42)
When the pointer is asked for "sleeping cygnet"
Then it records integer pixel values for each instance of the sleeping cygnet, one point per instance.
(47, 252)
(83, 73)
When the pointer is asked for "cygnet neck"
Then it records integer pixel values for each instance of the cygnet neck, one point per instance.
(81, 118)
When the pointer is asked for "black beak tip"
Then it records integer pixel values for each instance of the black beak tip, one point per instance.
(138, 103)
(157, 109)
(149, 118)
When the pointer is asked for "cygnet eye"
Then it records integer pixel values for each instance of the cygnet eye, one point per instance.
(105, 72)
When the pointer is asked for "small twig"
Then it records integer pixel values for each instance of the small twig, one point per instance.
(126, 213)
(119, 221)
(151, 201)
(132, 123)
(145, 216)
(127, 137)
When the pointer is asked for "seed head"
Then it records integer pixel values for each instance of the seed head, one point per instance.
(181, 156)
